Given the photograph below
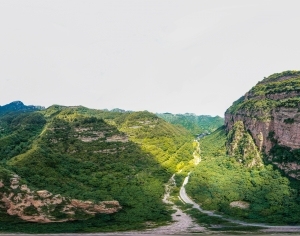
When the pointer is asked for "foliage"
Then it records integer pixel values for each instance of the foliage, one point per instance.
(261, 98)
(73, 151)
(18, 131)
(276, 76)
(195, 124)
(241, 146)
(101, 222)
(289, 121)
(213, 144)
(168, 144)
(219, 180)
(285, 154)
(5, 176)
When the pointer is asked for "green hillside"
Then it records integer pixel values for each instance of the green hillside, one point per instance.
(220, 180)
(97, 156)
(195, 124)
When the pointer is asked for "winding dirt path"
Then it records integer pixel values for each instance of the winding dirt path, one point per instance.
(182, 222)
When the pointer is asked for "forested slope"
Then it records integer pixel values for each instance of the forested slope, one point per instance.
(258, 194)
(94, 156)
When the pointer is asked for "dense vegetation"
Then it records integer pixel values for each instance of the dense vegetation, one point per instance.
(284, 154)
(170, 145)
(220, 179)
(195, 124)
(94, 155)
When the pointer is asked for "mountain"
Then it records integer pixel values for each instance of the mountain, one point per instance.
(18, 106)
(270, 114)
(249, 168)
(236, 187)
(90, 170)
(195, 124)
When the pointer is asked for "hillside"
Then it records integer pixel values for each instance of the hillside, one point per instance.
(270, 113)
(246, 165)
(74, 163)
(257, 193)
(195, 124)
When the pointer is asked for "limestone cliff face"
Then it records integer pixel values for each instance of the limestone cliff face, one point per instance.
(286, 133)
(270, 112)
(44, 207)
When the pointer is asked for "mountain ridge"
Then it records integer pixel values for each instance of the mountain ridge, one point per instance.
(270, 113)
(18, 106)
(194, 123)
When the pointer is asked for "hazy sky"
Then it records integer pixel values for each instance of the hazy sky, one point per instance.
(162, 56)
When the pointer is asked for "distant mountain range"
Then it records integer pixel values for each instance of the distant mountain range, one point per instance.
(195, 124)
(18, 106)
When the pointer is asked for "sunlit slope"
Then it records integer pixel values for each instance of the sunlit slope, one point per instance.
(170, 145)
(220, 180)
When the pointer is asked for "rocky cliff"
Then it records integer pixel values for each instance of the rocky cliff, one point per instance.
(44, 207)
(270, 112)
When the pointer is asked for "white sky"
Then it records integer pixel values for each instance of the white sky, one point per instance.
(163, 56)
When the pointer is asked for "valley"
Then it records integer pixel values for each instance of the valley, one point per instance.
(79, 170)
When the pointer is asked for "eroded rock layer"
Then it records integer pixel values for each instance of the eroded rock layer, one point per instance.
(44, 207)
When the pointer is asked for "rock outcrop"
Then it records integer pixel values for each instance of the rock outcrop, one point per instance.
(240, 204)
(44, 207)
(241, 145)
(270, 113)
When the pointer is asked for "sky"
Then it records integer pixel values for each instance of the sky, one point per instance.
(194, 56)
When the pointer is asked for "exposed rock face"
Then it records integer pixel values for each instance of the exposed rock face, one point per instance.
(270, 112)
(240, 144)
(88, 134)
(286, 134)
(107, 207)
(117, 138)
(42, 206)
(240, 204)
(290, 168)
